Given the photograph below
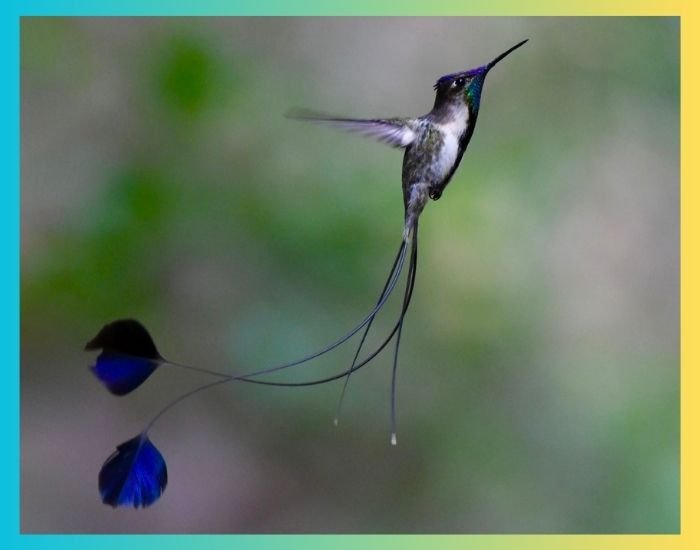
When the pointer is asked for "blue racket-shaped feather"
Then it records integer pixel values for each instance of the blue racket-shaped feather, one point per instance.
(134, 475)
(128, 356)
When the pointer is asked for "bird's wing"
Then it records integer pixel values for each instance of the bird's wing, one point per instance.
(397, 132)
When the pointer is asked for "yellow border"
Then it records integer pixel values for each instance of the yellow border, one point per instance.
(690, 233)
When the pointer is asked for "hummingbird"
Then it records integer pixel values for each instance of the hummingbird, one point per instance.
(434, 144)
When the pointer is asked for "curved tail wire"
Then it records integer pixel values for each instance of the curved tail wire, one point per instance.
(366, 323)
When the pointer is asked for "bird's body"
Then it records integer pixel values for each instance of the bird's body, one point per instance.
(434, 145)
(430, 161)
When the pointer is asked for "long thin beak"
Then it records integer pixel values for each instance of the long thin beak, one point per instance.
(490, 65)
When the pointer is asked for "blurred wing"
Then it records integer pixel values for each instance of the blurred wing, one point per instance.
(397, 132)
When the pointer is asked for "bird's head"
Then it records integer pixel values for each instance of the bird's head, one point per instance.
(464, 88)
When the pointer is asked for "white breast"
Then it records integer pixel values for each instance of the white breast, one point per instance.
(448, 155)
(451, 132)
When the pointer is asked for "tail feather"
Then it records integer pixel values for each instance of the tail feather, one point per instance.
(359, 349)
(408, 293)
(389, 287)
(350, 370)
(251, 378)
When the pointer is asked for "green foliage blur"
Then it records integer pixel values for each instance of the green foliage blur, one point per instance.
(538, 381)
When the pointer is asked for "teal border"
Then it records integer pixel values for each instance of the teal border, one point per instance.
(9, 276)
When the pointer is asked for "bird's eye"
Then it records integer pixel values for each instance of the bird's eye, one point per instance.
(458, 83)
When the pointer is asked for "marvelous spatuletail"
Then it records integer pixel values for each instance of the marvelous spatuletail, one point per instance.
(135, 474)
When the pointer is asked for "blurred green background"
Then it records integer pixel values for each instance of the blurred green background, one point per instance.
(538, 383)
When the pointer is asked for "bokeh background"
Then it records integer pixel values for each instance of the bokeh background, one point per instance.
(538, 382)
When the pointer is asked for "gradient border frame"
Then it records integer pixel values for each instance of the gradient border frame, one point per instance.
(687, 10)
